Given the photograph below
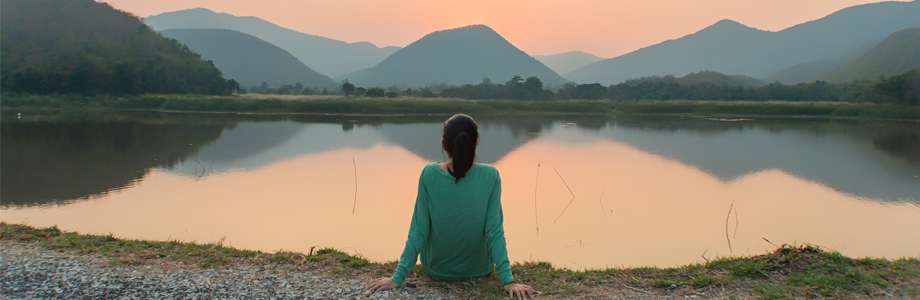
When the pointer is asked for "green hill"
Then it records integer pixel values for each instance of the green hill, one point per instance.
(457, 56)
(248, 59)
(896, 54)
(732, 48)
(86, 47)
(811, 71)
(327, 56)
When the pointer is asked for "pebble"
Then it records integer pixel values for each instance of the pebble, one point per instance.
(28, 271)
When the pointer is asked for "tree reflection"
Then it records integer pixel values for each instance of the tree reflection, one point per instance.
(50, 162)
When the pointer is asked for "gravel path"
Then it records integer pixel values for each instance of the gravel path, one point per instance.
(28, 271)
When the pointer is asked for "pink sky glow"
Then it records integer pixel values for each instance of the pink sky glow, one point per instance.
(538, 27)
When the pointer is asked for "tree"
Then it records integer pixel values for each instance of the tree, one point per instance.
(392, 94)
(298, 87)
(901, 89)
(348, 87)
(514, 80)
(375, 92)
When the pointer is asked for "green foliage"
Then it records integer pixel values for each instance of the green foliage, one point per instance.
(348, 88)
(901, 89)
(516, 88)
(375, 92)
(89, 48)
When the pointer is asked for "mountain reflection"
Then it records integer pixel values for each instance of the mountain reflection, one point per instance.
(55, 158)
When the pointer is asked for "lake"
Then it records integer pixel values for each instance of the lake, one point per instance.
(578, 191)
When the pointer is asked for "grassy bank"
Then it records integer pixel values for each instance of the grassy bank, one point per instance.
(788, 272)
(422, 106)
(315, 105)
(772, 109)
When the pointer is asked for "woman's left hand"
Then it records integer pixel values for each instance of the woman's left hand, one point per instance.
(380, 284)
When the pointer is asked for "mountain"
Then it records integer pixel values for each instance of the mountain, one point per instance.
(249, 60)
(456, 56)
(896, 54)
(90, 48)
(811, 71)
(327, 56)
(567, 62)
(731, 48)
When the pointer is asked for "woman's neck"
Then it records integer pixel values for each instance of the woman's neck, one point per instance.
(447, 166)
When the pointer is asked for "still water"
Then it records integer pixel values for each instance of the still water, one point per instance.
(580, 192)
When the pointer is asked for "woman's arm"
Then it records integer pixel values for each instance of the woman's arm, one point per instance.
(495, 233)
(495, 236)
(418, 234)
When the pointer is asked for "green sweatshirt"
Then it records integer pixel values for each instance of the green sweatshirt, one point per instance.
(457, 227)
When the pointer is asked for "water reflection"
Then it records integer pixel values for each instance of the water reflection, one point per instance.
(57, 152)
(648, 191)
(47, 162)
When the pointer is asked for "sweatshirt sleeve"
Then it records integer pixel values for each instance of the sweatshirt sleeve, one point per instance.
(495, 233)
(418, 234)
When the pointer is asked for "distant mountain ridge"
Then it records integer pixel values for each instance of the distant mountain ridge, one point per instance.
(327, 56)
(896, 54)
(569, 61)
(455, 56)
(732, 48)
(249, 60)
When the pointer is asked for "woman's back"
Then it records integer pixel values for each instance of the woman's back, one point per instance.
(465, 217)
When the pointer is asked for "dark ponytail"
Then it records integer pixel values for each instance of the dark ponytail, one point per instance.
(460, 135)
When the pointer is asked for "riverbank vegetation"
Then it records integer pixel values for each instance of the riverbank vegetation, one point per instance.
(423, 106)
(318, 105)
(788, 272)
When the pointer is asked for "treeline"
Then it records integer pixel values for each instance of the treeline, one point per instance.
(901, 89)
(287, 89)
(89, 48)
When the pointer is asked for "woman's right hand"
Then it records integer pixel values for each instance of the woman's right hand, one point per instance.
(381, 284)
(521, 291)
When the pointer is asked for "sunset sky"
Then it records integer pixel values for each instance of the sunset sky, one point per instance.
(538, 27)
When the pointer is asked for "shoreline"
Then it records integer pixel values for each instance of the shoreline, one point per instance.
(405, 106)
(789, 271)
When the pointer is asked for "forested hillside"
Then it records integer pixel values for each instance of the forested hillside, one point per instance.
(89, 48)
(811, 71)
(896, 54)
(250, 60)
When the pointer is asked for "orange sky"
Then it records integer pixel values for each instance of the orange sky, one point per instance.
(538, 27)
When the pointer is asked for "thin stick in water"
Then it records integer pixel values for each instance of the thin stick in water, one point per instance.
(736, 224)
(570, 201)
(353, 163)
(727, 217)
(203, 169)
(602, 201)
(536, 184)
